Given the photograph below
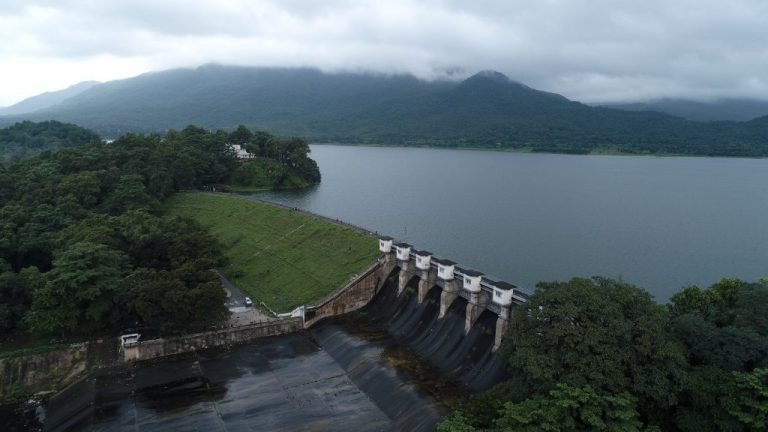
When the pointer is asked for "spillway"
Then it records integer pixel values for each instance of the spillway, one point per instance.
(468, 359)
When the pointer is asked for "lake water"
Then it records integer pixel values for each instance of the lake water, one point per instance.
(660, 223)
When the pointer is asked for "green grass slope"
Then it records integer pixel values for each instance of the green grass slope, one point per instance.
(282, 257)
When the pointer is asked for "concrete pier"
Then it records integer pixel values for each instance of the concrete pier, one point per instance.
(426, 282)
(449, 294)
(406, 273)
(475, 307)
(427, 274)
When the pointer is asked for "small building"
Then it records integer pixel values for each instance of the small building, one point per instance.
(130, 340)
(385, 244)
(423, 260)
(403, 251)
(472, 280)
(502, 292)
(241, 152)
(445, 268)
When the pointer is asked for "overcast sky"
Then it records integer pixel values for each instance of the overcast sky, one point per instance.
(596, 50)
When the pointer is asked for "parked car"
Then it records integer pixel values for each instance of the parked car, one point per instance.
(248, 301)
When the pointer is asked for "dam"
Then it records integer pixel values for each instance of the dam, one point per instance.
(346, 369)
(452, 317)
(481, 293)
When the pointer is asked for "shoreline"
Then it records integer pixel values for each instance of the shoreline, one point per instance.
(530, 151)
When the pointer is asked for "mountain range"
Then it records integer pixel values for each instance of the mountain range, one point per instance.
(716, 110)
(47, 99)
(486, 110)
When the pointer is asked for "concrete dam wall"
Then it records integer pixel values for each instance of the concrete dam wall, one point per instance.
(351, 297)
(51, 371)
(42, 372)
(165, 347)
(452, 317)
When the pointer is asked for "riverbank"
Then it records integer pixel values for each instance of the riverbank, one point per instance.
(277, 255)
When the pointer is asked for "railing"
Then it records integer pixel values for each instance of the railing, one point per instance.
(486, 285)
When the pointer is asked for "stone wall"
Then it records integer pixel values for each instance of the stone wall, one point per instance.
(352, 296)
(156, 348)
(42, 372)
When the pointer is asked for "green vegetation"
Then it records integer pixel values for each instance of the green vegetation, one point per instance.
(484, 111)
(26, 138)
(85, 248)
(280, 163)
(599, 354)
(267, 174)
(283, 257)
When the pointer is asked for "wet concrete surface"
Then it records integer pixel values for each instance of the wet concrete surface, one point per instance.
(361, 372)
(286, 383)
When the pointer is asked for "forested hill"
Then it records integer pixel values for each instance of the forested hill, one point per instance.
(718, 110)
(486, 110)
(47, 99)
(28, 138)
(84, 247)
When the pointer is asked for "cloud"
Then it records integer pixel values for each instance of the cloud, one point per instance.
(589, 50)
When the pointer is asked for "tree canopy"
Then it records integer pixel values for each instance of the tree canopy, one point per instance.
(27, 138)
(600, 354)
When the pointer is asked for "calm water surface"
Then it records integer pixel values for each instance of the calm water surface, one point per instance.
(660, 223)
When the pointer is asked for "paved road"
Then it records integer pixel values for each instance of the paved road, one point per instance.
(235, 297)
(235, 302)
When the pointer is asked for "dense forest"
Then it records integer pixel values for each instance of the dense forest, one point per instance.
(28, 138)
(600, 355)
(85, 248)
(487, 110)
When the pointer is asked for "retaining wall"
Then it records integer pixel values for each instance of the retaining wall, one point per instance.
(350, 297)
(156, 348)
(42, 372)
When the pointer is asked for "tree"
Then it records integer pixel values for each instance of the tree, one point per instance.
(84, 187)
(716, 303)
(750, 404)
(564, 408)
(731, 348)
(599, 332)
(242, 135)
(701, 407)
(457, 422)
(752, 307)
(571, 409)
(164, 301)
(79, 290)
(130, 193)
(15, 295)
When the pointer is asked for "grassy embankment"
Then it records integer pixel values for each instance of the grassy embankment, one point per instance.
(282, 257)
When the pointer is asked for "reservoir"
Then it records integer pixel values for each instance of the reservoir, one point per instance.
(658, 222)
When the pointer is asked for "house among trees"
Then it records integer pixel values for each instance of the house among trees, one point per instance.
(241, 152)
